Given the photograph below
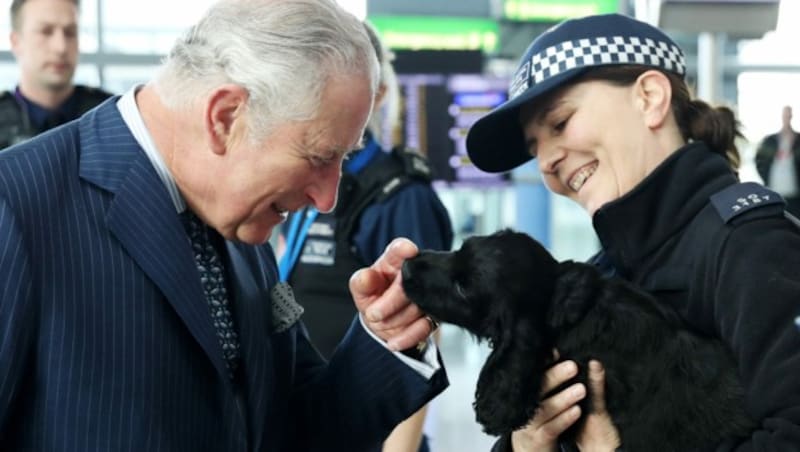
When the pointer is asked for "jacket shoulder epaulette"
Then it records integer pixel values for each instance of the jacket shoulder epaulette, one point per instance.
(414, 163)
(735, 200)
(389, 175)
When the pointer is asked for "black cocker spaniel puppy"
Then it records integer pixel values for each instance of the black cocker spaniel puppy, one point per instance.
(667, 389)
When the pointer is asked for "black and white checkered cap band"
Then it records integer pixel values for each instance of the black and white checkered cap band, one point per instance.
(593, 52)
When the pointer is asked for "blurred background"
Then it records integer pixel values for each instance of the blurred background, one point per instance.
(453, 60)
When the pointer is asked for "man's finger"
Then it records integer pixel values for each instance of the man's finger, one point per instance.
(390, 262)
(390, 303)
(366, 285)
(415, 333)
(369, 283)
(400, 319)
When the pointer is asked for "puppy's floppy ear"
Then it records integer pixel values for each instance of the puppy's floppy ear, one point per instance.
(575, 293)
(510, 382)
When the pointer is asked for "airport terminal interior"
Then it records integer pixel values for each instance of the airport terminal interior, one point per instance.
(453, 61)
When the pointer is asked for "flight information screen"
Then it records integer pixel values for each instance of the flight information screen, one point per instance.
(439, 110)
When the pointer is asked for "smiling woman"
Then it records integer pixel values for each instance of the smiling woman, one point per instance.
(602, 104)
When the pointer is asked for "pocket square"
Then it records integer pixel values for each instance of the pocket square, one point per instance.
(285, 310)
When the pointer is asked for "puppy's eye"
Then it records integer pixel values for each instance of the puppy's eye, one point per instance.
(460, 290)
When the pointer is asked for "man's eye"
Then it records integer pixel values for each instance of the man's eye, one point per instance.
(319, 161)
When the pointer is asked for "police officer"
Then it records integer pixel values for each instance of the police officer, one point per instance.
(602, 104)
(44, 40)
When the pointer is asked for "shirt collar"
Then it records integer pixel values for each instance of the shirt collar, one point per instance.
(133, 119)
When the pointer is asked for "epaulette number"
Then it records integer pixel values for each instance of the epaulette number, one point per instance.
(739, 198)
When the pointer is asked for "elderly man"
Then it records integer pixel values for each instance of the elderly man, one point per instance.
(139, 305)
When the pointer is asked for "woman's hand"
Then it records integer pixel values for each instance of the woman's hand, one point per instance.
(598, 433)
(554, 415)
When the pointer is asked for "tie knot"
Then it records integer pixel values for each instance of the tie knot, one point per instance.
(191, 221)
(196, 229)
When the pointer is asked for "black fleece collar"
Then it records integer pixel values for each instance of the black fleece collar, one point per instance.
(636, 225)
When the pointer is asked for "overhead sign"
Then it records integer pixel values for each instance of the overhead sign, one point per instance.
(556, 10)
(437, 32)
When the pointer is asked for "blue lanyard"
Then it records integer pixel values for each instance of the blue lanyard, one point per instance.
(294, 242)
(296, 236)
(359, 160)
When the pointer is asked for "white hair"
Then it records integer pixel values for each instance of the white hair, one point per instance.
(385, 118)
(282, 52)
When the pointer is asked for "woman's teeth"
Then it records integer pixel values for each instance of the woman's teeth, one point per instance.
(580, 177)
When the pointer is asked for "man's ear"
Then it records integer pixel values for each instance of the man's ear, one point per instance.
(13, 38)
(224, 106)
(653, 93)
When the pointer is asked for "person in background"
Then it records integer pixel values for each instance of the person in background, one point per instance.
(140, 306)
(778, 162)
(384, 194)
(601, 102)
(44, 40)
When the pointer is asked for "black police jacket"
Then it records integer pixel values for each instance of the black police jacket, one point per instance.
(725, 255)
(16, 124)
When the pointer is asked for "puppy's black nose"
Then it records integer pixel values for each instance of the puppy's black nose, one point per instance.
(406, 270)
(410, 283)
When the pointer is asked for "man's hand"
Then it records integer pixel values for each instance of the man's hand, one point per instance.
(379, 297)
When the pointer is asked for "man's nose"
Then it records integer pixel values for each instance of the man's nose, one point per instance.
(323, 192)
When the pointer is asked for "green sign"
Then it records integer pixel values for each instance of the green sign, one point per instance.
(437, 32)
(556, 10)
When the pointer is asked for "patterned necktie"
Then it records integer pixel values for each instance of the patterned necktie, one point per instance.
(212, 278)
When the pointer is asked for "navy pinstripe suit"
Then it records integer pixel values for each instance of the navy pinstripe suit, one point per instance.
(106, 343)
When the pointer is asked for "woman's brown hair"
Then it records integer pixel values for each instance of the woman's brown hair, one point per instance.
(717, 127)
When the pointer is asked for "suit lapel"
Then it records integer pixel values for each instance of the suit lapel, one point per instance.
(143, 218)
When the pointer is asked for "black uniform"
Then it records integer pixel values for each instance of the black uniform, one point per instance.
(728, 259)
(391, 196)
(19, 122)
(726, 256)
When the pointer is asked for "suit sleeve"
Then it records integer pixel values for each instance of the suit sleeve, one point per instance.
(16, 310)
(755, 288)
(355, 401)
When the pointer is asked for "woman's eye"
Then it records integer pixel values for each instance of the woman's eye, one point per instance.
(560, 125)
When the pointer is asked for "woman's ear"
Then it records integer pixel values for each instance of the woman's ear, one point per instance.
(225, 105)
(653, 93)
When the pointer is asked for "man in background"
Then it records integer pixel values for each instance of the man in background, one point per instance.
(778, 162)
(44, 40)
